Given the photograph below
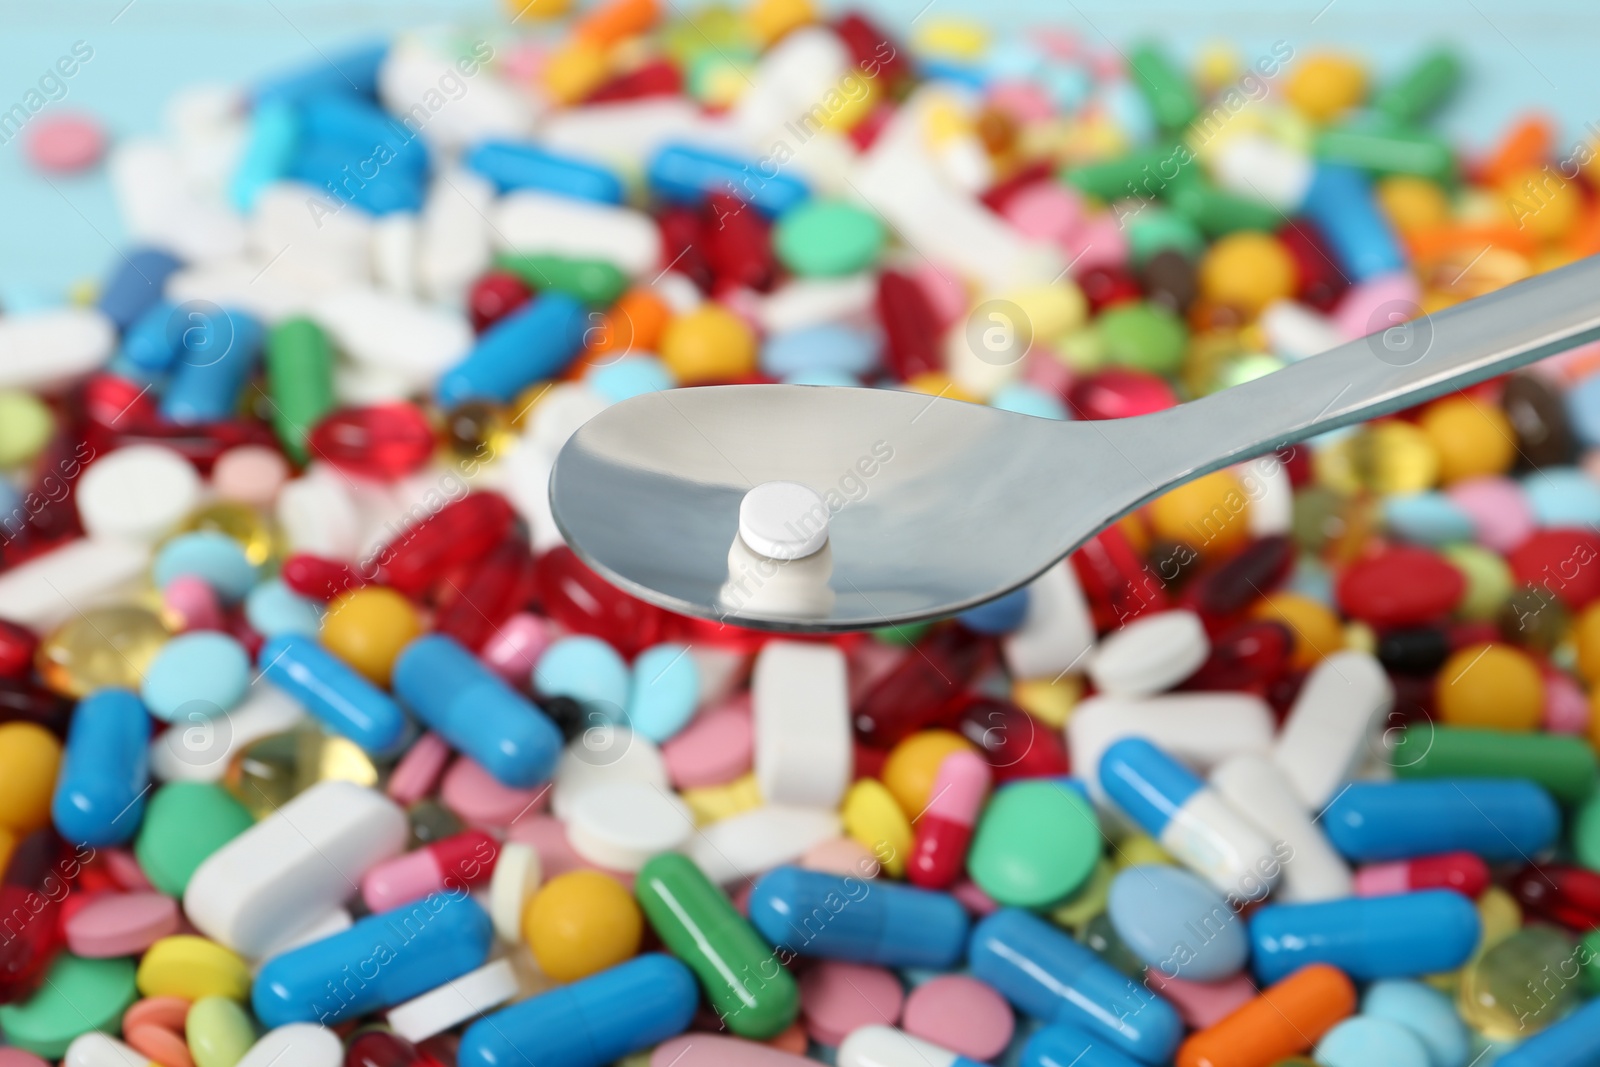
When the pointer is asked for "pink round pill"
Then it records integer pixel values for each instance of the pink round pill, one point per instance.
(1099, 242)
(1378, 304)
(418, 770)
(192, 603)
(961, 1014)
(121, 924)
(1023, 101)
(516, 646)
(1202, 1004)
(1566, 709)
(250, 474)
(474, 794)
(15, 1057)
(838, 997)
(715, 748)
(64, 144)
(1045, 211)
(842, 856)
(1498, 509)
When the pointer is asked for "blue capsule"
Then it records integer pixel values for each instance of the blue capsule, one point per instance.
(1067, 1046)
(362, 130)
(1502, 820)
(1043, 972)
(532, 343)
(476, 712)
(1366, 937)
(682, 174)
(268, 152)
(525, 166)
(810, 913)
(136, 284)
(217, 353)
(105, 771)
(1341, 203)
(353, 70)
(150, 342)
(1572, 1042)
(339, 698)
(376, 963)
(597, 1020)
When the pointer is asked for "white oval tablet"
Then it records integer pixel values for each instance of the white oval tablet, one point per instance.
(40, 350)
(455, 1002)
(599, 756)
(95, 1049)
(620, 825)
(1150, 655)
(783, 520)
(302, 1044)
(54, 587)
(1199, 729)
(800, 700)
(754, 842)
(516, 878)
(1325, 735)
(138, 493)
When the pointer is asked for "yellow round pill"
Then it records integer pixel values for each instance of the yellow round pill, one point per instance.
(368, 627)
(1047, 699)
(1248, 271)
(29, 758)
(873, 818)
(1586, 635)
(192, 968)
(1141, 850)
(708, 344)
(1413, 203)
(1491, 685)
(1325, 84)
(580, 923)
(1211, 514)
(1315, 628)
(913, 764)
(1472, 438)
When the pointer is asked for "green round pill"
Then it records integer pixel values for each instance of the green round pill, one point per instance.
(77, 996)
(219, 1032)
(827, 238)
(25, 426)
(184, 823)
(1143, 336)
(1155, 229)
(1036, 843)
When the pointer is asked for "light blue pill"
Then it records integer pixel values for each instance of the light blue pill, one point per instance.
(586, 669)
(1563, 496)
(632, 376)
(665, 690)
(215, 558)
(196, 674)
(823, 376)
(1130, 111)
(1177, 923)
(1014, 60)
(272, 608)
(1427, 1013)
(1583, 406)
(1026, 399)
(1068, 85)
(1427, 519)
(999, 616)
(830, 346)
(269, 148)
(1367, 1042)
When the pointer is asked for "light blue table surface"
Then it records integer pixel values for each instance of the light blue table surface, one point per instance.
(1520, 55)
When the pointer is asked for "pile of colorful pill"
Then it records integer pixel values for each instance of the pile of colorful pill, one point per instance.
(318, 748)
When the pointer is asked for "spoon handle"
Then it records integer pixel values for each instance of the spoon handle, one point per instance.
(1385, 372)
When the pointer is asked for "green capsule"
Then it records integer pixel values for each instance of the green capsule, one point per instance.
(1218, 212)
(1165, 87)
(593, 281)
(1563, 765)
(299, 381)
(1142, 174)
(1417, 93)
(1384, 149)
(742, 976)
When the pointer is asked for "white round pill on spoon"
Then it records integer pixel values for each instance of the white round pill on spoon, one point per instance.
(783, 520)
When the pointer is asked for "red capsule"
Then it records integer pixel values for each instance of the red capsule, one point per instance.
(585, 603)
(17, 645)
(115, 403)
(1119, 393)
(1250, 657)
(318, 578)
(379, 1049)
(1567, 895)
(22, 701)
(493, 589)
(1118, 586)
(1463, 872)
(910, 330)
(926, 689)
(1107, 287)
(658, 77)
(683, 246)
(873, 52)
(1220, 594)
(462, 530)
(44, 871)
(461, 861)
(944, 830)
(1561, 563)
(738, 245)
(1319, 283)
(384, 442)
(999, 194)
(494, 296)
(1013, 743)
(1399, 586)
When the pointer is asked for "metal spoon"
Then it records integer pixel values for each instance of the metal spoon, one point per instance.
(940, 505)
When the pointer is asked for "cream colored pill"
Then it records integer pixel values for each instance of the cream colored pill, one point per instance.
(783, 520)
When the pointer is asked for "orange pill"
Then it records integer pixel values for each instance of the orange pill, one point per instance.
(161, 1045)
(1286, 1019)
(617, 20)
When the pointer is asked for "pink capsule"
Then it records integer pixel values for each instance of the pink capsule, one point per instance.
(945, 829)
(454, 864)
(419, 769)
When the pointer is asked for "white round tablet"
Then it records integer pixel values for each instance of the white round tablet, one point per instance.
(620, 825)
(783, 520)
(455, 1002)
(1150, 655)
(138, 493)
(515, 880)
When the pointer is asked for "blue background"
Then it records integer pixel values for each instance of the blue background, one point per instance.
(1520, 56)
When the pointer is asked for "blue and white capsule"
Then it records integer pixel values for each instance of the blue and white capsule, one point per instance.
(1367, 937)
(1502, 820)
(811, 913)
(105, 771)
(333, 692)
(1192, 822)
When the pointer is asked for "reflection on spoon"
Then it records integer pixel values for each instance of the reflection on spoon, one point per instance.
(791, 589)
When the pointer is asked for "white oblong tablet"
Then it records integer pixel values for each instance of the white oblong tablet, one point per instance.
(1326, 733)
(293, 867)
(801, 705)
(620, 825)
(783, 520)
(42, 350)
(754, 842)
(54, 587)
(1150, 655)
(300, 1044)
(455, 1002)
(1199, 729)
(336, 921)
(530, 221)
(516, 878)
(601, 755)
(138, 493)
(1254, 787)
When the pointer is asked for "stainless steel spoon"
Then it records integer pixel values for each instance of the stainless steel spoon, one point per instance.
(940, 505)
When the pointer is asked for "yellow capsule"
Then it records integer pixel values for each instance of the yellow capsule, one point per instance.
(713, 803)
(477, 431)
(1492, 685)
(29, 758)
(1248, 271)
(874, 819)
(244, 524)
(1089, 900)
(1500, 916)
(708, 344)
(1324, 85)
(1211, 514)
(914, 763)
(1413, 203)
(771, 19)
(1052, 310)
(527, 401)
(951, 38)
(580, 923)
(368, 627)
(192, 968)
(1316, 629)
(101, 648)
(1384, 457)
(1049, 700)
(273, 770)
(575, 71)
(1471, 437)
(1518, 987)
